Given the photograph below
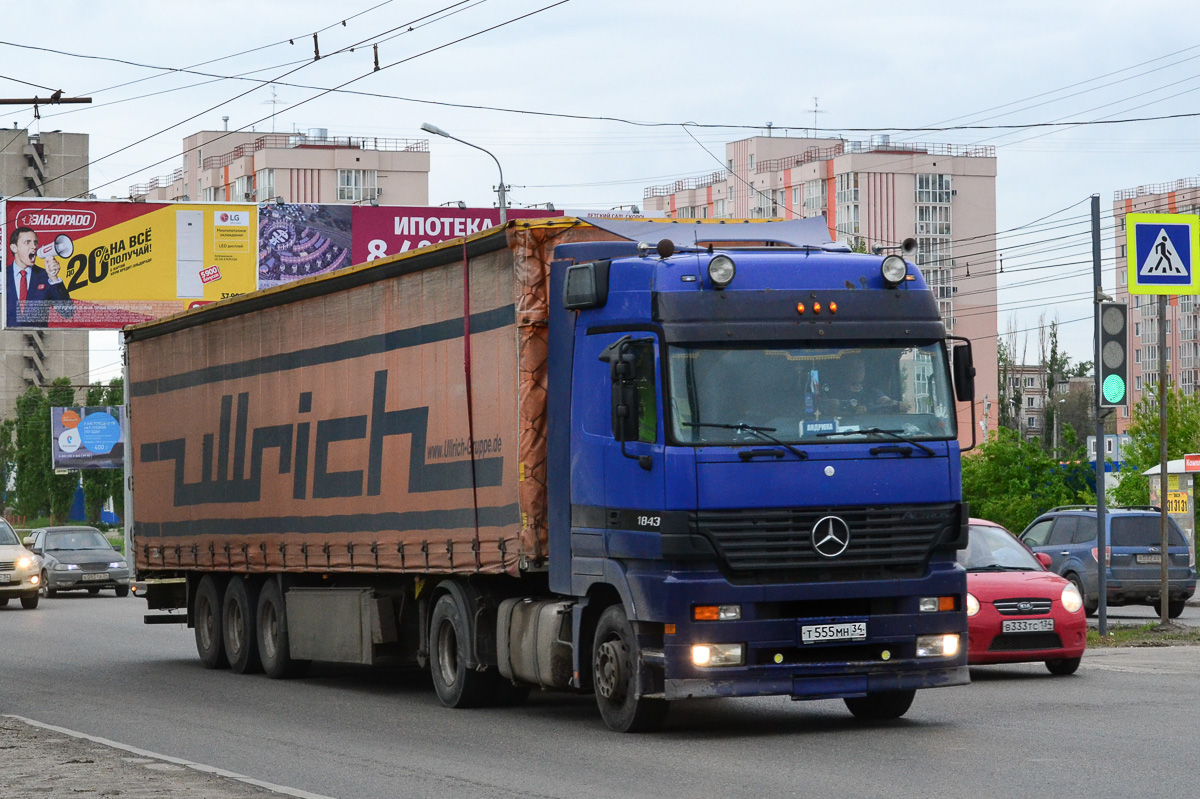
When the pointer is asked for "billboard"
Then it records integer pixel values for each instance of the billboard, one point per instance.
(102, 265)
(88, 438)
(380, 231)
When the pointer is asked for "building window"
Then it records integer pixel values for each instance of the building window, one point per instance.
(847, 204)
(933, 220)
(720, 207)
(356, 184)
(1033, 422)
(243, 188)
(1029, 402)
(730, 162)
(1029, 382)
(751, 161)
(1108, 446)
(815, 197)
(933, 189)
(265, 178)
(795, 196)
(210, 194)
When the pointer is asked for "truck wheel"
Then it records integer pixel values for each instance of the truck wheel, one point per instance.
(30, 602)
(240, 612)
(456, 685)
(615, 659)
(206, 617)
(274, 648)
(881, 706)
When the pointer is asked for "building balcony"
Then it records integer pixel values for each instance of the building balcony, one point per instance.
(687, 184)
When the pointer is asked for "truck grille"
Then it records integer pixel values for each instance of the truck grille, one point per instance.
(1012, 607)
(885, 542)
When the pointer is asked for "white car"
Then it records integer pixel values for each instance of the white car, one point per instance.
(20, 570)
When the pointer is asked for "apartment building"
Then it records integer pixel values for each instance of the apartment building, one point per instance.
(872, 194)
(311, 167)
(1183, 312)
(48, 164)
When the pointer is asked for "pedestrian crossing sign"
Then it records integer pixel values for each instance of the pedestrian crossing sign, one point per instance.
(1162, 250)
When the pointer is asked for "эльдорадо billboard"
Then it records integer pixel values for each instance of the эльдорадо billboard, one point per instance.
(103, 265)
(88, 438)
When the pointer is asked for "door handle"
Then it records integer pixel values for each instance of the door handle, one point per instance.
(1064, 552)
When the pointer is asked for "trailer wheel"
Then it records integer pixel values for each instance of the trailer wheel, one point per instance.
(881, 706)
(241, 632)
(456, 685)
(615, 659)
(274, 648)
(206, 617)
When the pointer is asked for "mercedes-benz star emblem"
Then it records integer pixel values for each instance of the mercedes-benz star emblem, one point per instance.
(830, 537)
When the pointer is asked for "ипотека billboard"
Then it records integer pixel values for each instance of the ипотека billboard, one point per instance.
(298, 241)
(88, 438)
(103, 265)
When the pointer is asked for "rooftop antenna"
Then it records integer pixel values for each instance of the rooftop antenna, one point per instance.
(816, 109)
(274, 101)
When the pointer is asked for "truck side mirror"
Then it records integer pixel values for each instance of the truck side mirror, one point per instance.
(621, 357)
(964, 373)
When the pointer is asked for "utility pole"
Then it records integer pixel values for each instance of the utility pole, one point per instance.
(1101, 537)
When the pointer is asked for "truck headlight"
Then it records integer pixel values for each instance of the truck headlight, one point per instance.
(972, 604)
(937, 646)
(711, 655)
(1071, 600)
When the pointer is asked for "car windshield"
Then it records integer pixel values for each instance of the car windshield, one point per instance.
(1143, 531)
(77, 539)
(994, 549)
(810, 393)
(7, 536)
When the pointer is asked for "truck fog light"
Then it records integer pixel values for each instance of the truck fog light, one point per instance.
(721, 271)
(937, 646)
(710, 655)
(893, 269)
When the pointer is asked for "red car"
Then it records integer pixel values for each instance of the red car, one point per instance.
(1016, 610)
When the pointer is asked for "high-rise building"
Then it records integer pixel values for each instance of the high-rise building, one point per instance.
(873, 194)
(1183, 312)
(53, 164)
(312, 167)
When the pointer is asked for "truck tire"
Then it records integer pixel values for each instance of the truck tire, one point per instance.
(206, 620)
(239, 623)
(30, 602)
(3, 601)
(882, 706)
(456, 685)
(615, 660)
(274, 647)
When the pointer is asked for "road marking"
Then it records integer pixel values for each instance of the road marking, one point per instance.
(220, 772)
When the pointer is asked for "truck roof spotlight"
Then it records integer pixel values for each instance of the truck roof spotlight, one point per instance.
(893, 269)
(721, 271)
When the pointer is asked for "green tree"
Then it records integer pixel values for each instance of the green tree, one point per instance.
(1142, 452)
(61, 487)
(8, 457)
(1010, 481)
(33, 453)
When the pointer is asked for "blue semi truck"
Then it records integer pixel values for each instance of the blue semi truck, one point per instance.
(647, 461)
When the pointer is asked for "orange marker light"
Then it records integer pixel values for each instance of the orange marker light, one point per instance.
(816, 307)
(668, 629)
(833, 307)
(799, 307)
(705, 613)
(946, 603)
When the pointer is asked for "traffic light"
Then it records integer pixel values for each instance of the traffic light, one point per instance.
(1114, 354)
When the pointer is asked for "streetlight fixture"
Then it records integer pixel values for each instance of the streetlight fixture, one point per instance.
(436, 131)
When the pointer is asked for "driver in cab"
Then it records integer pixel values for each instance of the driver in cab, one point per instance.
(851, 394)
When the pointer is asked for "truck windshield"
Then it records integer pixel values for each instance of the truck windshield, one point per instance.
(810, 393)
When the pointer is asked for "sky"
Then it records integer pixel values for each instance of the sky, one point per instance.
(519, 91)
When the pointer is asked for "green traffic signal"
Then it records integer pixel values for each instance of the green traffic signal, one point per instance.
(1114, 389)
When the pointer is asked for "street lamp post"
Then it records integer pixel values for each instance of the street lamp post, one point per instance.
(1057, 412)
(436, 131)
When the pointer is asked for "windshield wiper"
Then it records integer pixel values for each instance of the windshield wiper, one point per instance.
(894, 434)
(761, 433)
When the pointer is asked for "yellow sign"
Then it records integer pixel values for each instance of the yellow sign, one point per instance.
(1177, 502)
(103, 265)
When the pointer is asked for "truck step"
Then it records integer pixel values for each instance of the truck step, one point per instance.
(165, 618)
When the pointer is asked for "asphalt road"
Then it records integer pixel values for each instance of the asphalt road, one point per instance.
(1124, 726)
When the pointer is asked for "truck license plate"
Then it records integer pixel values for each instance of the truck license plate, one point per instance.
(96, 576)
(1027, 626)
(816, 633)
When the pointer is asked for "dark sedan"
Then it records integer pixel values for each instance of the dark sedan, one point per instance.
(78, 558)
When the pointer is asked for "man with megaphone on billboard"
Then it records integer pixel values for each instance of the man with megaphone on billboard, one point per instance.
(31, 291)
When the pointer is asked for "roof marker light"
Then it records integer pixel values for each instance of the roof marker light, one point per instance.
(800, 308)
